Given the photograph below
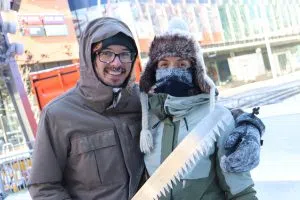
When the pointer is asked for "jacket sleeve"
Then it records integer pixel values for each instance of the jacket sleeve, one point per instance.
(237, 186)
(49, 159)
(49, 191)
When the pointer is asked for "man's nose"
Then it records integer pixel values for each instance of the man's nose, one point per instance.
(116, 62)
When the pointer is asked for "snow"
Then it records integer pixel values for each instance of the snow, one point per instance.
(278, 174)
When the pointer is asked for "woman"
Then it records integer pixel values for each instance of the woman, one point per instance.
(176, 96)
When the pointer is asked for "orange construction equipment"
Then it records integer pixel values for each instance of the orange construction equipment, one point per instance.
(48, 84)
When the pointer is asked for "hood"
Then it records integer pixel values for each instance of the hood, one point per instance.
(90, 87)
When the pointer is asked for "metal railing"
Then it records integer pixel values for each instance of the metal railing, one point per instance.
(15, 168)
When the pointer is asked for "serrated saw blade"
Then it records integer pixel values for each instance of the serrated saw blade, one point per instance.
(185, 155)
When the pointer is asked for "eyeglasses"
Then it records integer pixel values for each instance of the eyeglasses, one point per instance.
(109, 56)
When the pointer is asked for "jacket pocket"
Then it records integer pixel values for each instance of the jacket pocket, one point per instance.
(93, 142)
(96, 159)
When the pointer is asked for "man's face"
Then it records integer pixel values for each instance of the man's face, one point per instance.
(113, 65)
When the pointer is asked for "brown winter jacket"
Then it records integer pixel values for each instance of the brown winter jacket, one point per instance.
(85, 149)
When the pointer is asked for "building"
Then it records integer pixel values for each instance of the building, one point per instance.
(242, 40)
(46, 30)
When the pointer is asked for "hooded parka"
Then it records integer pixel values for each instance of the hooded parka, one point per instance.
(86, 148)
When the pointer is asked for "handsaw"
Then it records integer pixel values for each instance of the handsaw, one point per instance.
(186, 155)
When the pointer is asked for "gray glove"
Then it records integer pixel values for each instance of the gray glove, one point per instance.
(243, 144)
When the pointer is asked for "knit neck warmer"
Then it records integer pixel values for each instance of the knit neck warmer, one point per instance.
(180, 106)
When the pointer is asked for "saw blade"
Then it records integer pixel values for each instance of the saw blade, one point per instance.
(185, 155)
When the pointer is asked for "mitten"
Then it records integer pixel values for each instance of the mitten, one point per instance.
(243, 144)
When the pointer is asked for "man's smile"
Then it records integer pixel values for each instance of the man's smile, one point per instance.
(115, 71)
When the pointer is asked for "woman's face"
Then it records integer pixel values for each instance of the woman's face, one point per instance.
(173, 62)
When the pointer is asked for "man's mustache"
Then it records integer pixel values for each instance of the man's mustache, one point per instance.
(116, 69)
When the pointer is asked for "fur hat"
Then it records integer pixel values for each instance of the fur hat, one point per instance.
(176, 41)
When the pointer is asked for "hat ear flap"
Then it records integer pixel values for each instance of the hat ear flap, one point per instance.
(204, 85)
(148, 77)
(146, 138)
(201, 81)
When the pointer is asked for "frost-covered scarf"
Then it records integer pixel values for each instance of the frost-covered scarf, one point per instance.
(174, 81)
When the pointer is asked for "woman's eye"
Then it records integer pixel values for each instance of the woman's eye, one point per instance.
(183, 65)
(162, 65)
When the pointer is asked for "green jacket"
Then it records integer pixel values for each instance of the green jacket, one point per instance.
(171, 119)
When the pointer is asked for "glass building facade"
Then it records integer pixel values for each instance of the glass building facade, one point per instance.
(235, 34)
(211, 21)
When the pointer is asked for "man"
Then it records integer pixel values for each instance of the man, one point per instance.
(87, 144)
